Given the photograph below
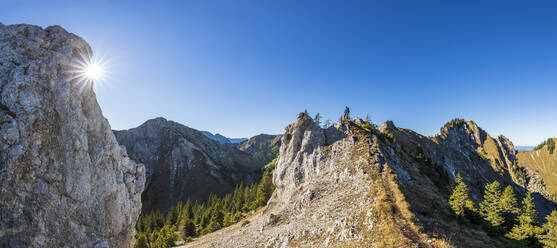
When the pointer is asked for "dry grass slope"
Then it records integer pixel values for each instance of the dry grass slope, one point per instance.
(545, 163)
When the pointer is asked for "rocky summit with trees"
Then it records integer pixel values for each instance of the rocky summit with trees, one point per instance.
(353, 183)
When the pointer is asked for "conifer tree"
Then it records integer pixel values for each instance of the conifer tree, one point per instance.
(264, 189)
(215, 223)
(253, 197)
(317, 119)
(197, 215)
(204, 220)
(166, 237)
(327, 123)
(153, 237)
(141, 241)
(227, 220)
(472, 213)
(549, 236)
(490, 207)
(529, 208)
(160, 242)
(189, 228)
(158, 220)
(471, 206)
(238, 197)
(368, 119)
(140, 224)
(459, 197)
(172, 216)
(187, 211)
(508, 207)
(527, 228)
(508, 201)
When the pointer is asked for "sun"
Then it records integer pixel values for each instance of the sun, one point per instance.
(93, 71)
(89, 70)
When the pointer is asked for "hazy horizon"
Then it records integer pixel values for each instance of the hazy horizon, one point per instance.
(245, 68)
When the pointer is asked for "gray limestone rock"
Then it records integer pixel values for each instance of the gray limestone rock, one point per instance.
(64, 180)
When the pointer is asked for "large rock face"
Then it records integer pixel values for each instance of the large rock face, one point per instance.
(64, 180)
(354, 185)
(182, 163)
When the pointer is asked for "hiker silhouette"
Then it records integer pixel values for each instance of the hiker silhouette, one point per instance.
(346, 113)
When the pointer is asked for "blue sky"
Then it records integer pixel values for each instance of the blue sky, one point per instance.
(242, 68)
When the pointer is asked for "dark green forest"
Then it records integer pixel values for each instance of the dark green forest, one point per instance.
(185, 221)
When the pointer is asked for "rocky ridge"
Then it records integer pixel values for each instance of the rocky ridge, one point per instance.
(356, 185)
(64, 180)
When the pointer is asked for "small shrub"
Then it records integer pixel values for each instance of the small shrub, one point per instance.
(553, 198)
(390, 136)
(518, 172)
(367, 126)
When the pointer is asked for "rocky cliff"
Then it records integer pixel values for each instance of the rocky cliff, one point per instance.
(64, 180)
(355, 185)
(182, 163)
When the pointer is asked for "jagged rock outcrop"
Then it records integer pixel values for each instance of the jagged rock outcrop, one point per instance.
(182, 163)
(354, 185)
(64, 180)
(263, 148)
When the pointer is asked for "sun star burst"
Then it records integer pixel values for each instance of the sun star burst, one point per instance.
(90, 70)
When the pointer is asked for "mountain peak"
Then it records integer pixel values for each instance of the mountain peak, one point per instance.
(157, 120)
(387, 125)
(183, 163)
(461, 125)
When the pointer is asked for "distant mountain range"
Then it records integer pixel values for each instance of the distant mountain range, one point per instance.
(222, 139)
(525, 148)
